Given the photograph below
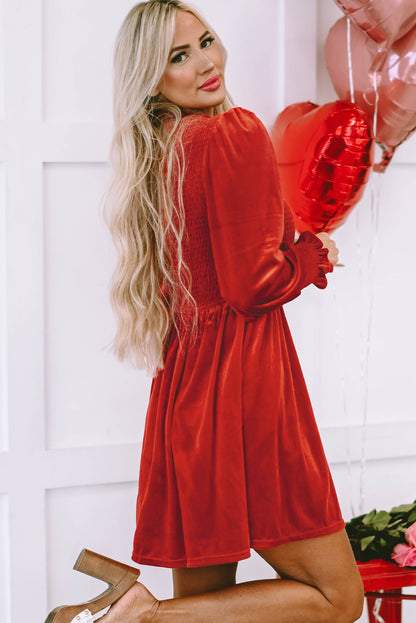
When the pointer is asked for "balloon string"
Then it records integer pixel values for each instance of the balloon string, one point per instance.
(362, 372)
(375, 208)
(340, 359)
(376, 98)
(349, 54)
(341, 371)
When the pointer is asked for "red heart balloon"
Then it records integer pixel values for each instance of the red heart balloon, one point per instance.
(324, 157)
(396, 83)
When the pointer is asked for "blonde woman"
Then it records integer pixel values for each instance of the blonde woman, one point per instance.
(232, 458)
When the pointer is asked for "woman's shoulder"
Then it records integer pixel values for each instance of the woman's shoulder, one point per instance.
(235, 121)
(239, 119)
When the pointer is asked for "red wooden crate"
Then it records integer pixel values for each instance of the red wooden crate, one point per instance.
(380, 575)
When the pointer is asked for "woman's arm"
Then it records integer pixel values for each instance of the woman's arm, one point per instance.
(256, 272)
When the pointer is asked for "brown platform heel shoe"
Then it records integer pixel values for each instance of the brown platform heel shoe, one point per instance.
(118, 576)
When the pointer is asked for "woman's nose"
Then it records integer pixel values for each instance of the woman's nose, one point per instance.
(206, 63)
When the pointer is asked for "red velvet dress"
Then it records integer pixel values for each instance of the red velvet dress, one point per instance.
(232, 457)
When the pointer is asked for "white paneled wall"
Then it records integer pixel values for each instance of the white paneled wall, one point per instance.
(78, 319)
(77, 57)
(72, 510)
(4, 559)
(3, 331)
(2, 59)
(74, 416)
(71, 417)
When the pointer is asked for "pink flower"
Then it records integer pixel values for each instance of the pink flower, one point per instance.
(405, 555)
(411, 534)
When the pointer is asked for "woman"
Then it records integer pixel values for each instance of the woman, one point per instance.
(231, 456)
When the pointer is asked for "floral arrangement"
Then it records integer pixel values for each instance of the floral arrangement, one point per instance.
(386, 535)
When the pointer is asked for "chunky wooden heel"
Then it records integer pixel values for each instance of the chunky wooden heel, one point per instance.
(118, 576)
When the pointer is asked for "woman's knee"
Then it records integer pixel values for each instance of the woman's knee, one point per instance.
(348, 601)
(326, 563)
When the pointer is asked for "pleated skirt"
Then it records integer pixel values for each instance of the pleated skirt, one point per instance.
(231, 457)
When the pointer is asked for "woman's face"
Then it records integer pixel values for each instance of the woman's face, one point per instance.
(194, 74)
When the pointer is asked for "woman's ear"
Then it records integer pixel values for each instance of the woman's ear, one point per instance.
(158, 88)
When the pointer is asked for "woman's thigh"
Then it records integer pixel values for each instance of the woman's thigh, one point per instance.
(199, 580)
(326, 562)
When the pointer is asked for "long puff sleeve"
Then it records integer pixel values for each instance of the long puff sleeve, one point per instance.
(257, 270)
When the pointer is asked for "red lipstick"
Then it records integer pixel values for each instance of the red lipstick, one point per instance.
(212, 84)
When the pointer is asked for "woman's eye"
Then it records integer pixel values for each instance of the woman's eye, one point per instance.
(178, 58)
(207, 42)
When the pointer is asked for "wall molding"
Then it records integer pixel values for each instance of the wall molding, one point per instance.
(382, 441)
(103, 465)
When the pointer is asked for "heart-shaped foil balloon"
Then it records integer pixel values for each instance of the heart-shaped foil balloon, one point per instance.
(396, 82)
(324, 157)
(383, 20)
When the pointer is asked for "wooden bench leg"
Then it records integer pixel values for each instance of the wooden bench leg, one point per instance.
(390, 610)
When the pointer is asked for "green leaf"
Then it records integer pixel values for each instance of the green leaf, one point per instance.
(366, 542)
(412, 517)
(367, 519)
(381, 520)
(403, 508)
(356, 520)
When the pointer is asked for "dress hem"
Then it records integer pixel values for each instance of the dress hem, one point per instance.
(204, 561)
(237, 556)
(311, 534)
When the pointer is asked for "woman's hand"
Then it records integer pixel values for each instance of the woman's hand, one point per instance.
(329, 244)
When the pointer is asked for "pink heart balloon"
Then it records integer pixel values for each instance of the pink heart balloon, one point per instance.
(396, 82)
(382, 20)
(385, 21)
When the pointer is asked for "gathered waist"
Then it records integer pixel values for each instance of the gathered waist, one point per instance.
(191, 318)
(201, 308)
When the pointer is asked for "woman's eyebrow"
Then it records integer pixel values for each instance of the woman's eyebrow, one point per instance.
(185, 47)
(180, 47)
(204, 35)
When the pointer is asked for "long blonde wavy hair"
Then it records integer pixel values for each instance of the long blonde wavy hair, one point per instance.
(147, 160)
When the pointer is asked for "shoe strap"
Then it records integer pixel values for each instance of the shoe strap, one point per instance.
(83, 617)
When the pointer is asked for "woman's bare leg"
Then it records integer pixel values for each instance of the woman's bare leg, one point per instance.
(320, 584)
(187, 582)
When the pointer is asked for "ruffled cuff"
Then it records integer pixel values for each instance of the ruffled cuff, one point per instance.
(313, 260)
